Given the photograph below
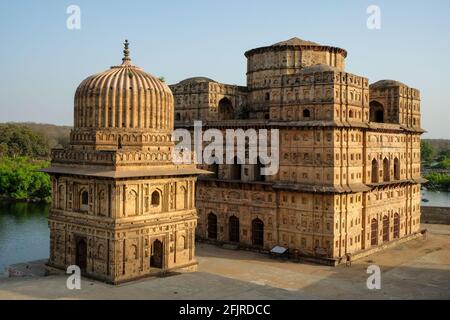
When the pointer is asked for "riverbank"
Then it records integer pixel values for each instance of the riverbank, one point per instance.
(6, 198)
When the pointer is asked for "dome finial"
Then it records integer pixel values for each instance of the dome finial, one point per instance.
(126, 53)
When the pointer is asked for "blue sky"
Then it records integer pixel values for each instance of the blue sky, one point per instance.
(42, 62)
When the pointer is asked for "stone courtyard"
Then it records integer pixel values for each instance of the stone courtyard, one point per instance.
(418, 269)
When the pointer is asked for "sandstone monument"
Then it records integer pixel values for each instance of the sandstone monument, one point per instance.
(349, 178)
(121, 209)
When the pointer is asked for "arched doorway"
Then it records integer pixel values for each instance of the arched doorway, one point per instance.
(233, 225)
(156, 260)
(225, 109)
(376, 112)
(385, 229)
(374, 232)
(81, 254)
(212, 226)
(258, 232)
(396, 226)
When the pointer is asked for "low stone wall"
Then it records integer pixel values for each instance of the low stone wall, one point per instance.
(435, 215)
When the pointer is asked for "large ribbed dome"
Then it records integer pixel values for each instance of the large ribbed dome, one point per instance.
(124, 97)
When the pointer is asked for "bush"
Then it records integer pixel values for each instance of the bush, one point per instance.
(438, 181)
(20, 179)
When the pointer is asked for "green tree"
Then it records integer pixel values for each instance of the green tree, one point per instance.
(20, 178)
(22, 141)
(426, 151)
(444, 163)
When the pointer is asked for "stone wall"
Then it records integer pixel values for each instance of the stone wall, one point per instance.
(439, 215)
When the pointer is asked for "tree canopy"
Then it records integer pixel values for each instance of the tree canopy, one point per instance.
(20, 178)
(426, 151)
(17, 140)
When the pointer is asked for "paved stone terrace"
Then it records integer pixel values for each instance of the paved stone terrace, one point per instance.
(418, 269)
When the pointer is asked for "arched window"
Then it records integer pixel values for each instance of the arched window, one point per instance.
(177, 116)
(375, 174)
(267, 96)
(233, 225)
(84, 198)
(225, 109)
(373, 232)
(132, 203)
(258, 232)
(212, 226)
(386, 170)
(306, 113)
(385, 229)
(376, 112)
(156, 199)
(396, 226)
(396, 169)
(182, 198)
(350, 114)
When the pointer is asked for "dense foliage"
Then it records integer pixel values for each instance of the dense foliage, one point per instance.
(426, 151)
(438, 181)
(18, 140)
(19, 178)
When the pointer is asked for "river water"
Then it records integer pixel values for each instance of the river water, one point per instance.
(24, 233)
(435, 198)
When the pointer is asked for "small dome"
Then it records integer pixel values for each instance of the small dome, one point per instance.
(124, 97)
(295, 42)
(387, 83)
(197, 80)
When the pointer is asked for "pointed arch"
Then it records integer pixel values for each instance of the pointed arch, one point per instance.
(386, 170)
(375, 173)
(396, 226)
(385, 229)
(374, 232)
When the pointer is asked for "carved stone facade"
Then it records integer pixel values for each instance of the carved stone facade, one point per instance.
(204, 98)
(121, 209)
(349, 176)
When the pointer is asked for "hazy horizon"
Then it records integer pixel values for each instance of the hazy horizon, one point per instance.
(42, 61)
